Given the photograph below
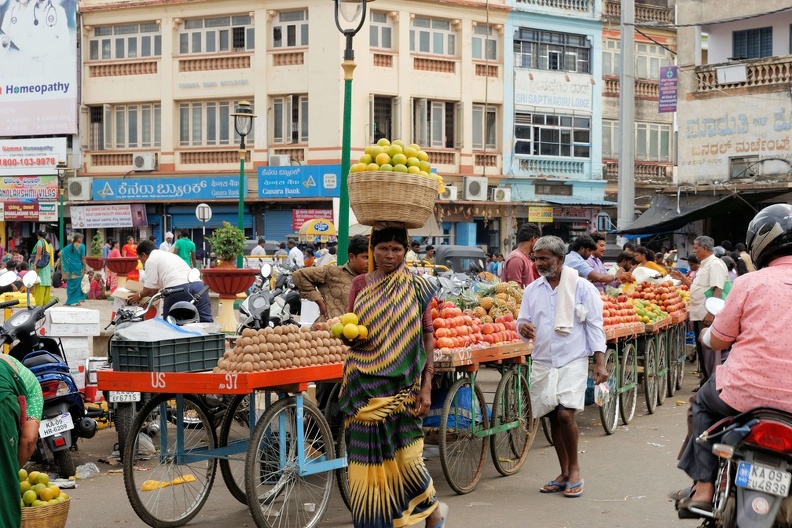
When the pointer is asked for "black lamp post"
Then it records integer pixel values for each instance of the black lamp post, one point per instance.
(243, 124)
(61, 222)
(349, 17)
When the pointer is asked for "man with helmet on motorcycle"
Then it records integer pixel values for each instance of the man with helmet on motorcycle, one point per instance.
(755, 322)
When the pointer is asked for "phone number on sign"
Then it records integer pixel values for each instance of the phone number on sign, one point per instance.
(28, 162)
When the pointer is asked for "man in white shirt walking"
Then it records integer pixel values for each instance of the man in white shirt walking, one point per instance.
(296, 257)
(561, 352)
(259, 249)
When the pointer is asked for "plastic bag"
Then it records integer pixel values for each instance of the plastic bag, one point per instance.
(601, 394)
(87, 471)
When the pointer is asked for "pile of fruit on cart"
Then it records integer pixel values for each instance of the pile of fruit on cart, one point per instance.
(644, 303)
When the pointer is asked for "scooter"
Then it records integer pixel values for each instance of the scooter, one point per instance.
(64, 418)
(269, 308)
(755, 466)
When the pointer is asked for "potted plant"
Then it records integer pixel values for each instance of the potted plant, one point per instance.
(94, 258)
(227, 242)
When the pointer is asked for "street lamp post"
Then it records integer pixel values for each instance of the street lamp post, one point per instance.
(243, 124)
(349, 17)
(61, 223)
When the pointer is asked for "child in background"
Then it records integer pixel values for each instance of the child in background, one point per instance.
(97, 288)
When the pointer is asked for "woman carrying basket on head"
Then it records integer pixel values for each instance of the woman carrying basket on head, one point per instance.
(385, 392)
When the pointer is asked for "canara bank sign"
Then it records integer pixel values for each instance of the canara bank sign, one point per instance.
(569, 91)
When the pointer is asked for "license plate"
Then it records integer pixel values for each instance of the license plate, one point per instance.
(53, 426)
(763, 478)
(124, 397)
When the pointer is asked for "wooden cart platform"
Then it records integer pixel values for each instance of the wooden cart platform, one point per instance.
(657, 326)
(476, 356)
(630, 330)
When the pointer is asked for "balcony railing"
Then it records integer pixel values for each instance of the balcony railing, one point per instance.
(759, 72)
(486, 160)
(288, 58)
(230, 62)
(211, 157)
(644, 88)
(382, 60)
(111, 159)
(122, 69)
(643, 12)
(551, 167)
(571, 5)
(434, 65)
(294, 153)
(487, 70)
(644, 171)
(442, 157)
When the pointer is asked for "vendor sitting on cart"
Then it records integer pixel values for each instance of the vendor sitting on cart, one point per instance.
(385, 392)
(168, 270)
(562, 313)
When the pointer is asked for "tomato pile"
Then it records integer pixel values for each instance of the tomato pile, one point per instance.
(454, 329)
(618, 312)
(665, 295)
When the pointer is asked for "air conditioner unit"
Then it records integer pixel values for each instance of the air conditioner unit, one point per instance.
(279, 160)
(79, 189)
(475, 188)
(500, 194)
(144, 161)
(450, 193)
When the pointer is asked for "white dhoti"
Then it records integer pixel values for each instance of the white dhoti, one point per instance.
(551, 387)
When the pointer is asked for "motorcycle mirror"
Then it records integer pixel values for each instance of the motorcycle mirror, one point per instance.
(7, 278)
(194, 275)
(481, 265)
(30, 278)
(266, 270)
(714, 305)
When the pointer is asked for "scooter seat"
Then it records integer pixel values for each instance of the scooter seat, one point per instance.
(38, 359)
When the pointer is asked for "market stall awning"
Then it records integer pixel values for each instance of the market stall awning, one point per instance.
(668, 212)
(430, 229)
(579, 201)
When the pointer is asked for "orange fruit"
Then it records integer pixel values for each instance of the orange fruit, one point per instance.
(351, 331)
(349, 318)
(362, 332)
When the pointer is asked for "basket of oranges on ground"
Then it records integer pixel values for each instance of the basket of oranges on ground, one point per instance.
(44, 505)
(393, 182)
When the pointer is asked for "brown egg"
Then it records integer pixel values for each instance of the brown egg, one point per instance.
(278, 330)
(288, 363)
(247, 332)
(262, 332)
(268, 356)
(269, 330)
(282, 363)
(254, 340)
(268, 365)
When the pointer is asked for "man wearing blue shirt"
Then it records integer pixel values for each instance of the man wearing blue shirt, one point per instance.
(561, 352)
(579, 252)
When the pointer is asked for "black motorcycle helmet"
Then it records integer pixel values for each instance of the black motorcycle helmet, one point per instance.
(770, 234)
(184, 312)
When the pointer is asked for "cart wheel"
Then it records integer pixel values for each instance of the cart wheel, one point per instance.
(124, 415)
(282, 496)
(650, 374)
(682, 348)
(512, 405)
(548, 432)
(673, 355)
(662, 365)
(609, 414)
(235, 431)
(336, 421)
(462, 450)
(628, 377)
(163, 492)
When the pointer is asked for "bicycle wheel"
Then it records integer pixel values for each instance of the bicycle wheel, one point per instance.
(546, 429)
(628, 377)
(163, 492)
(649, 374)
(277, 494)
(332, 415)
(673, 355)
(235, 431)
(512, 405)
(609, 414)
(462, 450)
(661, 353)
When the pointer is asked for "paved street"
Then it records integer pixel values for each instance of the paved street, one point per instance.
(627, 478)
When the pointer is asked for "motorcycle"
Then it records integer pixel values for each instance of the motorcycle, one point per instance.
(754, 449)
(64, 418)
(270, 308)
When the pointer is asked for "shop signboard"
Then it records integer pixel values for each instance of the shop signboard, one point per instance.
(307, 181)
(40, 156)
(48, 212)
(108, 215)
(18, 211)
(667, 95)
(300, 216)
(573, 213)
(556, 90)
(38, 93)
(28, 189)
(171, 189)
(542, 215)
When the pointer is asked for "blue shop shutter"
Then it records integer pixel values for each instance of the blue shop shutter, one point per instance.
(278, 225)
(184, 216)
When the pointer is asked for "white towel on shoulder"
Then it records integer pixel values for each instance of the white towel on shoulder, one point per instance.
(565, 302)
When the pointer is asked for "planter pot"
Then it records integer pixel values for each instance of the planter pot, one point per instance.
(228, 283)
(121, 266)
(96, 263)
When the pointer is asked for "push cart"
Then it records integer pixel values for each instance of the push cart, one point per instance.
(273, 445)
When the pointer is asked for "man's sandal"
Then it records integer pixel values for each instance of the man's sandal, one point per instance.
(553, 487)
(571, 486)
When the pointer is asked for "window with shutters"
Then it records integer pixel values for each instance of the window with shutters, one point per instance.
(485, 127)
(290, 30)
(549, 50)
(752, 43)
(127, 41)
(208, 123)
(217, 35)
(552, 135)
(384, 118)
(125, 126)
(290, 119)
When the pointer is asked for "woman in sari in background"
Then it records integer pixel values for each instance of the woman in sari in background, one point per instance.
(645, 258)
(386, 388)
(41, 291)
(73, 264)
(112, 278)
(130, 250)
